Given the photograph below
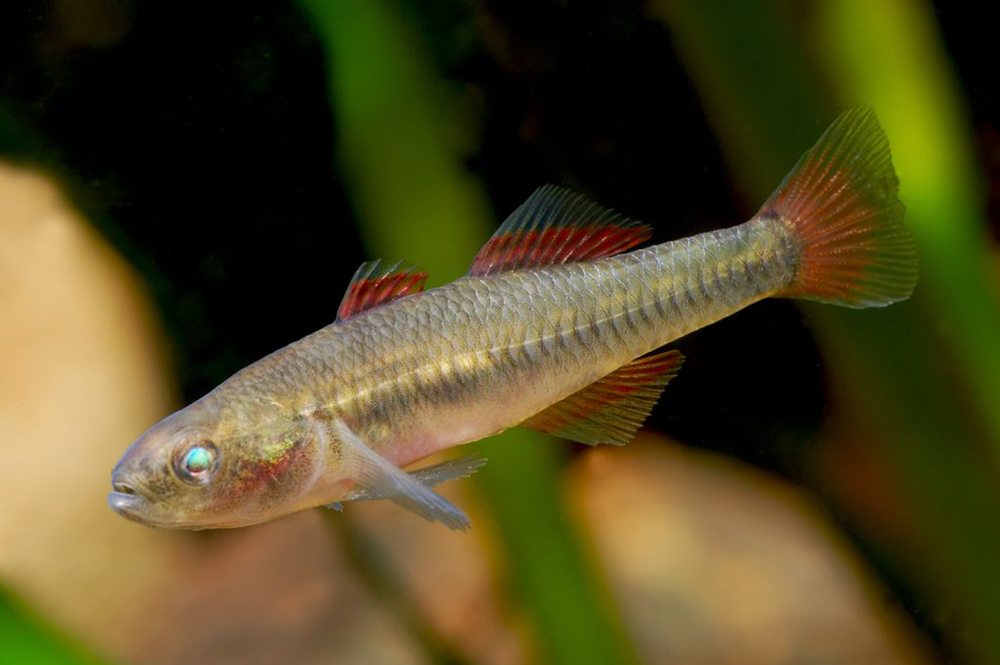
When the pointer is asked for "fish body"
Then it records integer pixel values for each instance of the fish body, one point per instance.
(479, 355)
(556, 327)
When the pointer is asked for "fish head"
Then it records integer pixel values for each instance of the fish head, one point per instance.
(203, 467)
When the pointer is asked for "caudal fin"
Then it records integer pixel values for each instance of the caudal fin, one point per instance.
(841, 203)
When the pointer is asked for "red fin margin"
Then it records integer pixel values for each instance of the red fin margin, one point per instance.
(556, 226)
(374, 284)
(841, 204)
(611, 409)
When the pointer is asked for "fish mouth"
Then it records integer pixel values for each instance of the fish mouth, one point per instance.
(127, 502)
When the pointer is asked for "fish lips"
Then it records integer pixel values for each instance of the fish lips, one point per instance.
(129, 500)
(128, 503)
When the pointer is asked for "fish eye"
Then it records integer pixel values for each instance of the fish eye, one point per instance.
(195, 462)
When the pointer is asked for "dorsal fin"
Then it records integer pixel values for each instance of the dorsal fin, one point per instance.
(374, 284)
(557, 226)
(611, 409)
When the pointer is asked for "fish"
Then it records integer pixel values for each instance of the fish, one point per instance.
(560, 325)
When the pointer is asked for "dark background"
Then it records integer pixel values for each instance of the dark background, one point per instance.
(200, 141)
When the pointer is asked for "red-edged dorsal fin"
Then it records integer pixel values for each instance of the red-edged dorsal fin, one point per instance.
(612, 409)
(374, 284)
(557, 226)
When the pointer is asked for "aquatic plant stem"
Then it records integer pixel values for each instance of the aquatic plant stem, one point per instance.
(415, 200)
(887, 368)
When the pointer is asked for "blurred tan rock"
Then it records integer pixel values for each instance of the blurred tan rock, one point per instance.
(450, 577)
(713, 562)
(82, 375)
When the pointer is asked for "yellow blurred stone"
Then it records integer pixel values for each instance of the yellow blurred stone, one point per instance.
(82, 375)
(712, 562)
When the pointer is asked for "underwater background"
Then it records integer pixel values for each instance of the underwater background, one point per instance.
(187, 186)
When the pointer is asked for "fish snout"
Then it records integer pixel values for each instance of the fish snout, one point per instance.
(125, 497)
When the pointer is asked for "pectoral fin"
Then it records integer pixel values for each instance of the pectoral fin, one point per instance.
(377, 477)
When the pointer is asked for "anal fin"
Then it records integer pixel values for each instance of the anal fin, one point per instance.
(611, 409)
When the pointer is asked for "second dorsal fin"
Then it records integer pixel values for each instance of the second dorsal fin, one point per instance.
(374, 284)
(557, 226)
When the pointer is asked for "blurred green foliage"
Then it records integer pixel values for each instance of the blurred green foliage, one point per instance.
(25, 639)
(889, 367)
(405, 170)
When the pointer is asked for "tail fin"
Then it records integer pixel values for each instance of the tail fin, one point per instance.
(841, 202)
